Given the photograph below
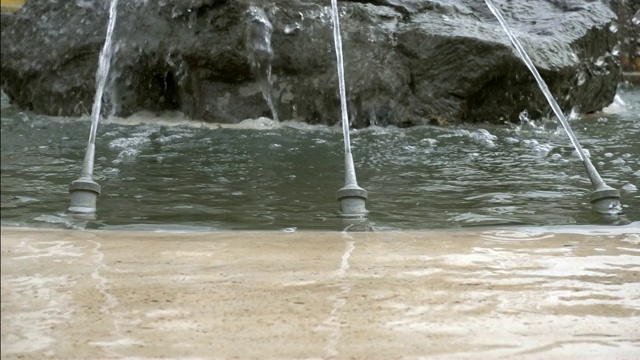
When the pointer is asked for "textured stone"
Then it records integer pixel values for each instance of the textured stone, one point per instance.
(410, 63)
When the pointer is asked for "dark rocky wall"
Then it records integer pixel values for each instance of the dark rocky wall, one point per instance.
(412, 63)
(628, 30)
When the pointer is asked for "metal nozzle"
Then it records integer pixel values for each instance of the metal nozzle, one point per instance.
(352, 197)
(84, 194)
(605, 200)
(352, 200)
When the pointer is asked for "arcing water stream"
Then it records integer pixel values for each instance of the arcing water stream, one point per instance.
(101, 80)
(605, 199)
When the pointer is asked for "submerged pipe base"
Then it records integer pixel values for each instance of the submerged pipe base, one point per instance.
(352, 200)
(84, 195)
(606, 201)
(355, 224)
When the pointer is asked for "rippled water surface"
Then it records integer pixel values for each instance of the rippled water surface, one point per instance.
(284, 177)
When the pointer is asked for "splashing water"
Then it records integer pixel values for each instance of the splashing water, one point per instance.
(260, 53)
(595, 178)
(541, 83)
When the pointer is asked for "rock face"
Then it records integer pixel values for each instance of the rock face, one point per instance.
(628, 12)
(406, 62)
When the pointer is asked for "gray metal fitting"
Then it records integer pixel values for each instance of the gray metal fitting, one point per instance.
(84, 195)
(352, 200)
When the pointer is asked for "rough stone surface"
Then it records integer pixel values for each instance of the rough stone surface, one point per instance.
(628, 30)
(409, 63)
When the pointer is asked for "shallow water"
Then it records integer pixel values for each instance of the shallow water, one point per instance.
(321, 295)
(262, 175)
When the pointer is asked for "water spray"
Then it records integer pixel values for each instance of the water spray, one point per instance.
(84, 191)
(604, 199)
(352, 197)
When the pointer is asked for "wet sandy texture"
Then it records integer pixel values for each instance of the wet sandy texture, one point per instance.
(437, 295)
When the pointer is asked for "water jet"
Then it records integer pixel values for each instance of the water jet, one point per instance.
(605, 200)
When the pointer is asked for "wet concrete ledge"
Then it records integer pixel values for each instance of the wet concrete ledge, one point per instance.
(10, 6)
(514, 294)
(632, 77)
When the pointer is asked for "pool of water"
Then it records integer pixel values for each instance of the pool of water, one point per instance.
(176, 174)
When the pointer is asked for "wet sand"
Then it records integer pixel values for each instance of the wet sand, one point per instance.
(514, 294)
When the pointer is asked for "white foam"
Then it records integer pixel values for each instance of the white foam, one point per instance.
(617, 106)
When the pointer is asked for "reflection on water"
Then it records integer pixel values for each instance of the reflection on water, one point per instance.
(279, 177)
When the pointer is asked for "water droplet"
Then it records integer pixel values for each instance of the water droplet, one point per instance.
(582, 78)
(290, 29)
(111, 171)
(542, 150)
(616, 50)
(574, 57)
(428, 141)
(586, 152)
(574, 114)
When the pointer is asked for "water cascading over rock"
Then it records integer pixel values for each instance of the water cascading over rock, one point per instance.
(406, 62)
(260, 53)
